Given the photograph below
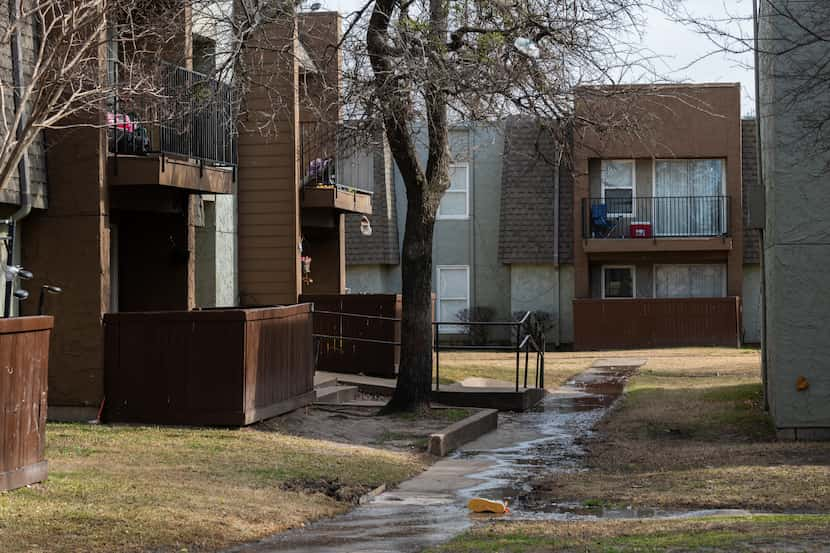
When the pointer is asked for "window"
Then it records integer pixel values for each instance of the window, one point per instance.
(690, 197)
(455, 204)
(690, 281)
(618, 282)
(453, 295)
(618, 186)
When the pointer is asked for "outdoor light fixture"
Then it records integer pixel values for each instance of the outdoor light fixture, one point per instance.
(21, 294)
(365, 226)
(46, 289)
(16, 271)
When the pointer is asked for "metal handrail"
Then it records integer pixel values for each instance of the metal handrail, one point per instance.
(520, 344)
(193, 117)
(523, 344)
(359, 316)
(320, 141)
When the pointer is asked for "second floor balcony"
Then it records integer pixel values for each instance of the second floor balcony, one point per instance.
(183, 138)
(332, 177)
(670, 220)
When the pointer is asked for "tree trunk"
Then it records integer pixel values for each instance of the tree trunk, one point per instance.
(415, 376)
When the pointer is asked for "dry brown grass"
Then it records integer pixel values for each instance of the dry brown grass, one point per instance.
(691, 433)
(135, 488)
(456, 366)
(721, 535)
(561, 365)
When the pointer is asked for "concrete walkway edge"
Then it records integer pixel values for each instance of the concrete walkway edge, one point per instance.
(463, 431)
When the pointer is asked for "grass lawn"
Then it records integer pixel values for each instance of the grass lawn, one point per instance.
(458, 365)
(138, 488)
(765, 533)
(562, 365)
(690, 433)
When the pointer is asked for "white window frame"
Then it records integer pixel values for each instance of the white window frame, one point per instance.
(448, 329)
(466, 215)
(633, 164)
(654, 277)
(633, 270)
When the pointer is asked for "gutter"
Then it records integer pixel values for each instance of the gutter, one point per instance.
(556, 264)
(23, 165)
(17, 82)
(762, 186)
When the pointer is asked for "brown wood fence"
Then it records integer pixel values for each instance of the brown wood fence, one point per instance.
(353, 356)
(219, 367)
(653, 322)
(24, 365)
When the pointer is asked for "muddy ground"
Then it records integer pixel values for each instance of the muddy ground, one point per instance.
(357, 425)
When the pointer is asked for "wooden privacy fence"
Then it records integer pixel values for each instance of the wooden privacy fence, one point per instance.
(656, 322)
(221, 366)
(354, 344)
(24, 366)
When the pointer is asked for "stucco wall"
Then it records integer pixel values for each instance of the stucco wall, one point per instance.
(373, 279)
(216, 275)
(797, 229)
(566, 306)
(545, 287)
(751, 305)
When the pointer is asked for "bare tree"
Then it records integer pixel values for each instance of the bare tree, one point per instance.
(789, 41)
(63, 81)
(415, 66)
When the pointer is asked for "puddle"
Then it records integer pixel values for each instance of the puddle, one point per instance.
(431, 508)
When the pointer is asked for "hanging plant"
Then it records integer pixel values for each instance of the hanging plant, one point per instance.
(305, 263)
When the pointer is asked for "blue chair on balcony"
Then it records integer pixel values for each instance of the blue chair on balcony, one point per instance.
(601, 225)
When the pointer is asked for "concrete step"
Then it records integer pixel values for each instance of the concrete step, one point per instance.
(321, 380)
(368, 384)
(336, 394)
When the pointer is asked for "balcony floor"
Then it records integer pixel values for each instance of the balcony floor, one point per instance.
(639, 245)
(337, 199)
(156, 171)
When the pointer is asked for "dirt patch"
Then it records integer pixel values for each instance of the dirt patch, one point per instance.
(330, 487)
(362, 426)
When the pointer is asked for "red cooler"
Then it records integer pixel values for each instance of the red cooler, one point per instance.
(640, 230)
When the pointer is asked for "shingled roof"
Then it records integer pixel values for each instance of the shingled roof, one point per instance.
(528, 218)
(749, 169)
(382, 246)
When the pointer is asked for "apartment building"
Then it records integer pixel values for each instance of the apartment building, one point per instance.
(597, 233)
(659, 254)
(215, 212)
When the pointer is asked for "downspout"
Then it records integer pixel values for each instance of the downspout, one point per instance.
(760, 171)
(23, 164)
(556, 265)
(17, 81)
(472, 136)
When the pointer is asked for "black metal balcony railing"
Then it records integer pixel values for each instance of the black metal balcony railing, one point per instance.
(193, 117)
(323, 152)
(655, 217)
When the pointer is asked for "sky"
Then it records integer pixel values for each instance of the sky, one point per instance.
(678, 48)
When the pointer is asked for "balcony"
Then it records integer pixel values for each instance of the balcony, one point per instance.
(649, 223)
(184, 139)
(332, 179)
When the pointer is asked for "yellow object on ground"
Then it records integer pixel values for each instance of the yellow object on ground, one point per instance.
(481, 505)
